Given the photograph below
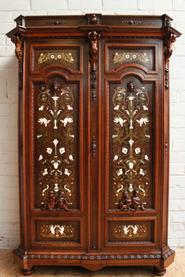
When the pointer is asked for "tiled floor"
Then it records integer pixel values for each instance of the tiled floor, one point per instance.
(8, 267)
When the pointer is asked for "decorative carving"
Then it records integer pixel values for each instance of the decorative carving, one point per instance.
(61, 56)
(55, 22)
(130, 147)
(145, 256)
(93, 38)
(166, 75)
(55, 200)
(56, 231)
(131, 256)
(168, 43)
(129, 231)
(19, 48)
(166, 148)
(130, 204)
(94, 145)
(19, 54)
(56, 145)
(131, 56)
(94, 19)
(133, 22)
(167, 22)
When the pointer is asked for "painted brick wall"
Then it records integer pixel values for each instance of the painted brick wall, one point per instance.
(9, 218)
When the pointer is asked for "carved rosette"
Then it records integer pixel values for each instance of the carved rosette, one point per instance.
(130, 147)
(56, 145)
(93, 52)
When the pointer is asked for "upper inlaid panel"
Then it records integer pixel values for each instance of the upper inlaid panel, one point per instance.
(64, 56)
(119, 56)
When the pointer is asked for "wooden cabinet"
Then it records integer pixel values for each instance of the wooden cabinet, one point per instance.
(94, 140)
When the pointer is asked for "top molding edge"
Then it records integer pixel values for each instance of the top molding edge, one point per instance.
(83, 23)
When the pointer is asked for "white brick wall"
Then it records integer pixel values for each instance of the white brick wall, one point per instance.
(9, 216)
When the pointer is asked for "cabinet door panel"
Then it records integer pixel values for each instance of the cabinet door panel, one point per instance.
(57, 120)
(131, 120)
(130, 142)
(56, 139)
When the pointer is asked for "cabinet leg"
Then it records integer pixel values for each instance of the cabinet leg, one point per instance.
(159, 271)
(27, 272)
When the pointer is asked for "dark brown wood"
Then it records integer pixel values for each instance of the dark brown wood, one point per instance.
(94, 140)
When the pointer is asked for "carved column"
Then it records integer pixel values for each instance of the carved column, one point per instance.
(93, 52)
(19, 55)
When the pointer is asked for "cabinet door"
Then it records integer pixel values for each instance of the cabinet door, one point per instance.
(57, 144)
(132, 109)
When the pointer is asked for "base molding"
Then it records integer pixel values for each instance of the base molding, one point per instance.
(95, 261)
(159, 271)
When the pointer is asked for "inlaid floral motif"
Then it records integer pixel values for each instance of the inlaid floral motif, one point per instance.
(56, 156)
(121, 57)
(60, 56)
(58, 231)
(130, 145)
(130, 231)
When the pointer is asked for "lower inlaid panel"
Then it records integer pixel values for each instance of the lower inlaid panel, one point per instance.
(62, 231)
(130, 231)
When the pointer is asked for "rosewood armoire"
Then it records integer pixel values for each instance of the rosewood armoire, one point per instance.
(94, 140)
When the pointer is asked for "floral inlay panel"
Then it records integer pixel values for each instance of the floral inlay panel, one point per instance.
(61, 56)
(144, 57)
(130, 146)
(58, 231)
(67, 57)
(56, 146)
(130, 231)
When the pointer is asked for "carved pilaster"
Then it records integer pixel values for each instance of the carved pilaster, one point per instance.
(19, 55)
(168, 43)
(18, 48)
(93, 52)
